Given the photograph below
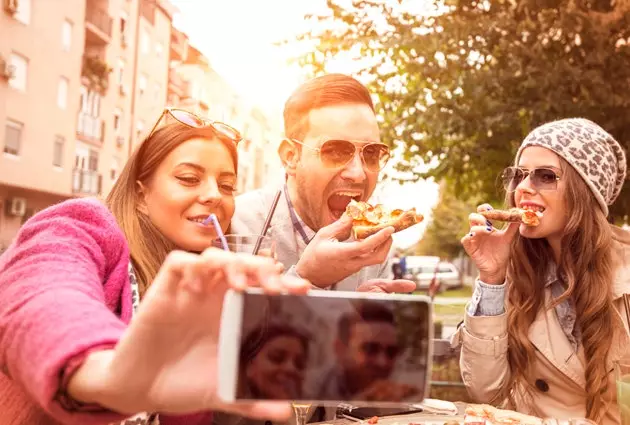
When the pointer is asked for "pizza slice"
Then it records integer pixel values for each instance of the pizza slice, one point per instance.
(369, 219)
(486, 414)
(514, 215)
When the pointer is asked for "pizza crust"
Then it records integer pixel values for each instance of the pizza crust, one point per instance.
(514, 215)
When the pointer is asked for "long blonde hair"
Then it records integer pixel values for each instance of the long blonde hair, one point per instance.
(149, 247)
(587, 268)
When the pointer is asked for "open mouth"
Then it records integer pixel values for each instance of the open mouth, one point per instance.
(338, 201)
(197, 219)
(534, 208)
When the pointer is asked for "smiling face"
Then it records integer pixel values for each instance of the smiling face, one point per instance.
(322, 193)
(277, 371)
(551, 202)
(195, 179)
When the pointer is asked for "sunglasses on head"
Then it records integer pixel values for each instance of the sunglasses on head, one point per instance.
(540, 178)
(339, 153)
(195, 121)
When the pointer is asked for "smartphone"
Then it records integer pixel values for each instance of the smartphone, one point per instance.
(326, 347)
(364, 413)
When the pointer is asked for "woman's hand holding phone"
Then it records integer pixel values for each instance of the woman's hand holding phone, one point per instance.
(166, 361)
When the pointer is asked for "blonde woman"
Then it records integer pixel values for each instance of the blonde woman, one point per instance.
(549, 313)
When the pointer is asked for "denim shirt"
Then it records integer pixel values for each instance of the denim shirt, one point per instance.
(489, 300)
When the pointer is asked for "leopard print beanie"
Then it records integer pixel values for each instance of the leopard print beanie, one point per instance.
(596, 155)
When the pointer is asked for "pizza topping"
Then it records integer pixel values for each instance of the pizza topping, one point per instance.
(373, 420)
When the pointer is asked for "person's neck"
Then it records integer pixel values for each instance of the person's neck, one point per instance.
(556, 247)
(297, 204)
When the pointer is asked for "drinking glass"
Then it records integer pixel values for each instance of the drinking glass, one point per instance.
(246, 243)
(622, 376)
(301, 410)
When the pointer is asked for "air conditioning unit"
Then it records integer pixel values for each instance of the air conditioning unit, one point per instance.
(7, 71)
(123, 90)
(16, 207)
(11, 6)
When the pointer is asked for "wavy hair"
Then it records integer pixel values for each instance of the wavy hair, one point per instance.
(147, 245)
(586, 267)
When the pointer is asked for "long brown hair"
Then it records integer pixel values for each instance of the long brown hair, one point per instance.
(149, 247)
(586, 268)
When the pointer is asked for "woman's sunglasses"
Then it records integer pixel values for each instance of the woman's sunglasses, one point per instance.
(541, 178)
(339, 153)
(195, 121)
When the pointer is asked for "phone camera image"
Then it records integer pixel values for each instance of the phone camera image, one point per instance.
(332, 348)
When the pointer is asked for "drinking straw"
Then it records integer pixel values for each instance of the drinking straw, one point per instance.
(267, 224)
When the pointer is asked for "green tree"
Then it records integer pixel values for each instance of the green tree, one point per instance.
(448, 224)
(464, 82)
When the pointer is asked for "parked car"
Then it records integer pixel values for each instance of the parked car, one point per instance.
(423, 269)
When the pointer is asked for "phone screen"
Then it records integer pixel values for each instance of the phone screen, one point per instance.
(331, 349)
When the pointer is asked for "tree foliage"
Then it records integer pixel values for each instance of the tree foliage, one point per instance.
(447, 225)
(464, 82)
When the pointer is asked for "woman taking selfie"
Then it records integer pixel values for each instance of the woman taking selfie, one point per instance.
(70, 283)
(549, 314)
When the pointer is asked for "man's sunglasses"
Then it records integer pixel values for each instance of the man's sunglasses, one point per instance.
(339, 153)
(195, 121)
(541, 178)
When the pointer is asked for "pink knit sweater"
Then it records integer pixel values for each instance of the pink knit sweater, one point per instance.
(64, 289)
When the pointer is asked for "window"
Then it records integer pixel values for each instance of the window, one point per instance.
(159, 49)
(93, 160)
(58, 151)
(20, 67)
(66, 36)
(121, 71)
(142, 83)
(117, 120)
(62, 93)
(23, 13)
(145, 42)
(123, 28)
(13, 137)
(113, 172)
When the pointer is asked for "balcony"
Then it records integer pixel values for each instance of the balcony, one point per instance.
(86, 182)
(176, 84)
(179, 45)
(98, 25)
(91, 129)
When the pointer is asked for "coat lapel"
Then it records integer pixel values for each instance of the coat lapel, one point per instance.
(547, 336)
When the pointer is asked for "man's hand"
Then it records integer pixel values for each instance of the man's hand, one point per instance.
(326, 260)
(387, 286)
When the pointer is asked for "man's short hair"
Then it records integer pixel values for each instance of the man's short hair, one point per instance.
(365, 311)
(319, 92)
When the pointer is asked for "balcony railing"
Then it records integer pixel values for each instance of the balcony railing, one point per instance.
(90, 128)
(86, 182)
(99, 22)
(179, 45)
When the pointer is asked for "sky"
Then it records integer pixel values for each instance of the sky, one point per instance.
(239, 39)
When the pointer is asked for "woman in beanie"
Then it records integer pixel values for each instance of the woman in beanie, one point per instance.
(550, 313)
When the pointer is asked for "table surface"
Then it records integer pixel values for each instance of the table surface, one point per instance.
(415, 418)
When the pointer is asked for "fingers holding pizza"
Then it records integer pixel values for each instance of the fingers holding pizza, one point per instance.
(487, 246)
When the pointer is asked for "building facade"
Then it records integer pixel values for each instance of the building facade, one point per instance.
(80, 82)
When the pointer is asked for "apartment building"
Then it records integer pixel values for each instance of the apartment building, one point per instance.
(196, 86)
(81, 82)
(39, 86)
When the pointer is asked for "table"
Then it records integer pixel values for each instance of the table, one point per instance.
(415, 418)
